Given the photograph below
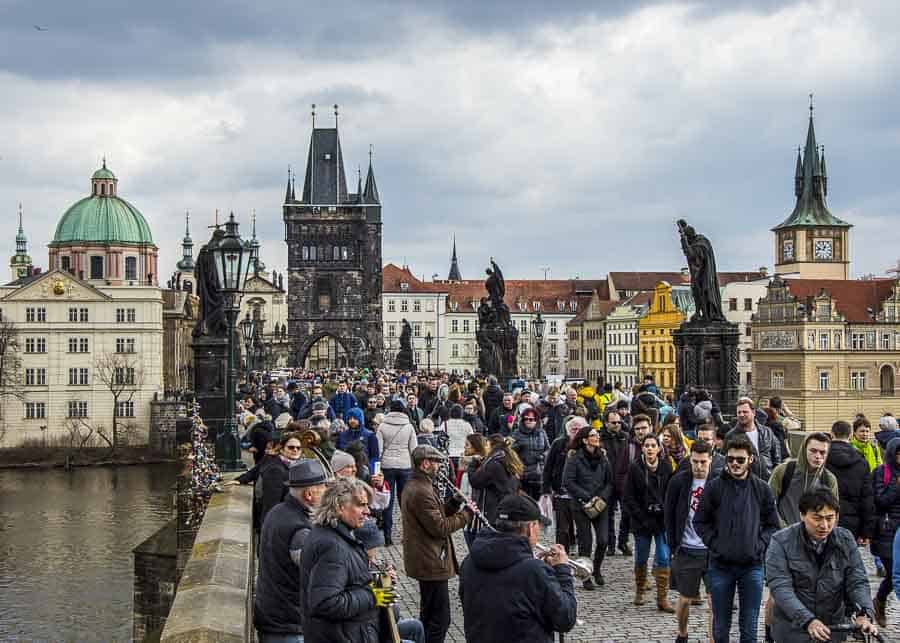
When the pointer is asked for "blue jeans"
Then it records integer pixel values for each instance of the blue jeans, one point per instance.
(280, 638)
(411, 630)
(642, 550)
(722, 582)
(397, 479)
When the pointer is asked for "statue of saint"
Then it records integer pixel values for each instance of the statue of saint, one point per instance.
(212, 320)
(495, 285)
(704, 278)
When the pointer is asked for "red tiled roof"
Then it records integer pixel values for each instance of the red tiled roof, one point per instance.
(648, 280)
(463, 293)
(851, 298)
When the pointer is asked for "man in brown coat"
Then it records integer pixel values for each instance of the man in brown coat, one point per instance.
(428, 553)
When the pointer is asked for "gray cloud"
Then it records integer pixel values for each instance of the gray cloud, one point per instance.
(542, 136)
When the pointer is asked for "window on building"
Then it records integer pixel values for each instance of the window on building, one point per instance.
(554, 348)
(524, 349)
(857, 380)
(748, 331)
(35, 410)
(131, 273)
(417, 329)
(523, 325)
(124, 344)
(837, 340)
(454, 325)
(823, 341)
(417, 306)
(404, 306)
(857, 341)
(77, 409)
(392, 330)
(96, 267)
(124, 375)
(392, 306)
(748, 303)
(73, 344)
(83, 345)
(749, 378)
(885, 341)
(65, 264)
(304, 253)
(454, 350)
(777, 380)
(553, 327)
(732, 304)
(823, 380)
(418, 357)
(466, 326)
(125, 409)
(73, 314)
(35, 377)
(811, 340)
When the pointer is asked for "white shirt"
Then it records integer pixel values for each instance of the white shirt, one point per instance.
(690, 537)
(754, 437)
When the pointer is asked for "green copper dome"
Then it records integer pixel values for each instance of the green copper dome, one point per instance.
(103, 217)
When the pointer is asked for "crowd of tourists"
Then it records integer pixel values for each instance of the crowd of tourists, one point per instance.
(725, 507)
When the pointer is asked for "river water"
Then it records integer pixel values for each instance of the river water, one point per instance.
(65, 548)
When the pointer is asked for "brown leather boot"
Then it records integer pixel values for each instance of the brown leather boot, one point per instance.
(880, 614)
(640, 584)
(662, 590)
(648, 582)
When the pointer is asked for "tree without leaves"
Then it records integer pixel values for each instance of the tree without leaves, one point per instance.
(10, 369)
(123, 378)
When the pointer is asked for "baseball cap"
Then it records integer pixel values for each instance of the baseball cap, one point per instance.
(517, 508)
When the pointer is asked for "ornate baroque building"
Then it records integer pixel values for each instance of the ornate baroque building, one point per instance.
(334, 260)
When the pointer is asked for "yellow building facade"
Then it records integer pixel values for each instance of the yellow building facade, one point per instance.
(656, 349)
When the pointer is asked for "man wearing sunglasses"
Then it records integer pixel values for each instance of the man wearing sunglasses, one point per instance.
(736, 518)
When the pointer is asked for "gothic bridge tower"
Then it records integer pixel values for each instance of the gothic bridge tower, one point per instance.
(334, 260)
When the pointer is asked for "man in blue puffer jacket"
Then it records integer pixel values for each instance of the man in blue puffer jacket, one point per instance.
(357, 432)
(343, 400)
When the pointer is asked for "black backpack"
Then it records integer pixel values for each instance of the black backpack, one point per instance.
(786, 479)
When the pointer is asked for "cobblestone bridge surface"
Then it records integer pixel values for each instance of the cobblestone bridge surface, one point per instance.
(605, 614)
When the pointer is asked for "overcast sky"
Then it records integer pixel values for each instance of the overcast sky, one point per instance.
(568, 138)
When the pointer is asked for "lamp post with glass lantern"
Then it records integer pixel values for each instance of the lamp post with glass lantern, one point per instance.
(231, 257)
(248, 331)
(429, 340)
(537, 328)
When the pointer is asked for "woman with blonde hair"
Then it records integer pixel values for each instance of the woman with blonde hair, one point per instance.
(676, 445)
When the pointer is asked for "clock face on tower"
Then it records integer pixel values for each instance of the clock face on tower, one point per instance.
(823, 249)
(788, 249)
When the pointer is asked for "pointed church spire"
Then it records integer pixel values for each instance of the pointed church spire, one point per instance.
(21, 239)
(258, 265)
(454, 265)
(20, 263)
(371, 190)
(287, 191)
(293, 185)
(810, 185)
(359, 185)
(186, 264)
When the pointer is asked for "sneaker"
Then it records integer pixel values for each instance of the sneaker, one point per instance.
(611, 550)
(626, 550)
(589, 585)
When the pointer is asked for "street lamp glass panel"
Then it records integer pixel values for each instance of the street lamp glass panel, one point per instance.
(247, 329)
(537, 326)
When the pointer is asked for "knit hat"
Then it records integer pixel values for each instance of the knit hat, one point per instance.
(341, 459)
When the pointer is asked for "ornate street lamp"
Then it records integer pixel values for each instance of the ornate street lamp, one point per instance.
(429, 340)
(537, 327)
(248, 331)
(231, 257)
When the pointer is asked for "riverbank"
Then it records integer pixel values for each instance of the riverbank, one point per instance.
(51, 458)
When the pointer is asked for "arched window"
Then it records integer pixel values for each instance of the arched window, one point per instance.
(887, 380)
(336, 253)
(304, 253)
(131, 268)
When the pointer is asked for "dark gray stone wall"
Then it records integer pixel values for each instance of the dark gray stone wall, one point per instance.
(163, 416)
(155, 578)
(340, 298)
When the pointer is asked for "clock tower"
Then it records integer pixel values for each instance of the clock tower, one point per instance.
(812, 243)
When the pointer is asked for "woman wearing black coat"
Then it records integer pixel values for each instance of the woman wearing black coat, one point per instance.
(587, 474)
(886, 483)
(273, 476)
(494, 478)
(644, 499)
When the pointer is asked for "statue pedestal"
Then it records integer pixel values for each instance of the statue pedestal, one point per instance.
(210, 376)
(706, 356)
(498, 351)
(404, 361)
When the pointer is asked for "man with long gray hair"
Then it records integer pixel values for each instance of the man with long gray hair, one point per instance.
(338, 599)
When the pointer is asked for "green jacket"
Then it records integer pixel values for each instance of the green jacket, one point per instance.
(869, 451)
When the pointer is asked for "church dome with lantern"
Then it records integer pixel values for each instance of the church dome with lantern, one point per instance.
(104, 237)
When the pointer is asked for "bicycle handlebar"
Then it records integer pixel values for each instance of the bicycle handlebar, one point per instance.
(855, 629)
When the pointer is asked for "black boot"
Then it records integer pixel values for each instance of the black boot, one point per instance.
(611, 550)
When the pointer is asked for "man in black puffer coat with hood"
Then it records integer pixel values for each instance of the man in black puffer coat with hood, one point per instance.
(857, 514)
(539, 596)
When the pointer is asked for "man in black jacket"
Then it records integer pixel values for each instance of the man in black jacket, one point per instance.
(706, 433)
(736, 518)
(857, 511)
(690, 556)
(544, 600)
(492, 397)
(276, 612)
(615, 442)
(766, 452)
(497, 421)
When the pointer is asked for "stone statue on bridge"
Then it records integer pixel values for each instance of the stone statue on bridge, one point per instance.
(404, 360)
(212, 322)
(704, 278)
(497, 337)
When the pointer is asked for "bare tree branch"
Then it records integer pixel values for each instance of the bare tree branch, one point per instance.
(10, 369)
(123, 377)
